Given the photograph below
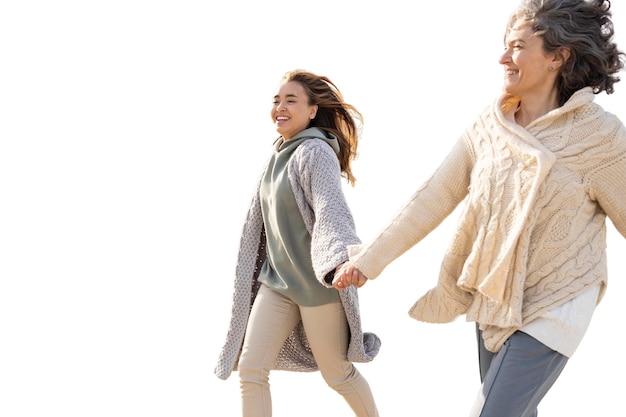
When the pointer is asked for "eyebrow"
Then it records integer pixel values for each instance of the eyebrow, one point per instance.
(513, 40)
(288, 96)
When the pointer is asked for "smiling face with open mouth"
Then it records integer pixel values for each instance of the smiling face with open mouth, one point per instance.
(291, 111)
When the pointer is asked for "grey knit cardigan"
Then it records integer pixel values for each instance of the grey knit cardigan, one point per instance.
(314, 175)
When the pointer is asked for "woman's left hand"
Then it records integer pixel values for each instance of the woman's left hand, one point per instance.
(347, 275)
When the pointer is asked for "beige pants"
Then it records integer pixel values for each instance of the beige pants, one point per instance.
(272, 318)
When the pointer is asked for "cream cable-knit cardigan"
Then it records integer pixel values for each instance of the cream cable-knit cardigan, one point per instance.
(314, 175)
(532, 233)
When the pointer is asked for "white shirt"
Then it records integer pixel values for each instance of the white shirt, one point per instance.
(562, 328)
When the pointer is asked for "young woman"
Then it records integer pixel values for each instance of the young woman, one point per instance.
(538, 171)
(286, 313)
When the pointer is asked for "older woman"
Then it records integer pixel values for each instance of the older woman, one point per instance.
(538, 172)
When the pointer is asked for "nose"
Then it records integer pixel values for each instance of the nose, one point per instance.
(280, 106)
(505, 57)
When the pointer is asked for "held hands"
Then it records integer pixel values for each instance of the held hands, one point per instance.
(346, 275)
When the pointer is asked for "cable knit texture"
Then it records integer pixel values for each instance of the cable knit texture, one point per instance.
(531, 234)
(314, 175)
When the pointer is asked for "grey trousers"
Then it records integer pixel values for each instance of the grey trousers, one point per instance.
(272, 318)
(515, 379)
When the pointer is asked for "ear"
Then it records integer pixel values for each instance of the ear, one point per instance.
(313, 111)
(561, 55)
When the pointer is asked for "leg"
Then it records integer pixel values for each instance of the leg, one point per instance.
(272, 318)
(516, 379)
(484, 356)
(327, 330)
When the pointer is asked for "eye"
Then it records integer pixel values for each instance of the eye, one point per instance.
(515, 46)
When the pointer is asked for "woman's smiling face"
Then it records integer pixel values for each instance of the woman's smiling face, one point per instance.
(528, 70)
(291, 112)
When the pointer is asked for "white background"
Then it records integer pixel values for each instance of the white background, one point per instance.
(132, 135)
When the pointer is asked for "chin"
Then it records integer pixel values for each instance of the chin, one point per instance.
(508, 88)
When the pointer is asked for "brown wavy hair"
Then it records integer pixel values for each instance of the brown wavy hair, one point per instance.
(334, 115)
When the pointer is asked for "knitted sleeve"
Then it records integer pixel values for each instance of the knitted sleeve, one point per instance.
(607, 182)
(424, 211)
(329, 219)
(317, 186)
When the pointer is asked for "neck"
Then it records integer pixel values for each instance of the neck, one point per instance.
(530, 110)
